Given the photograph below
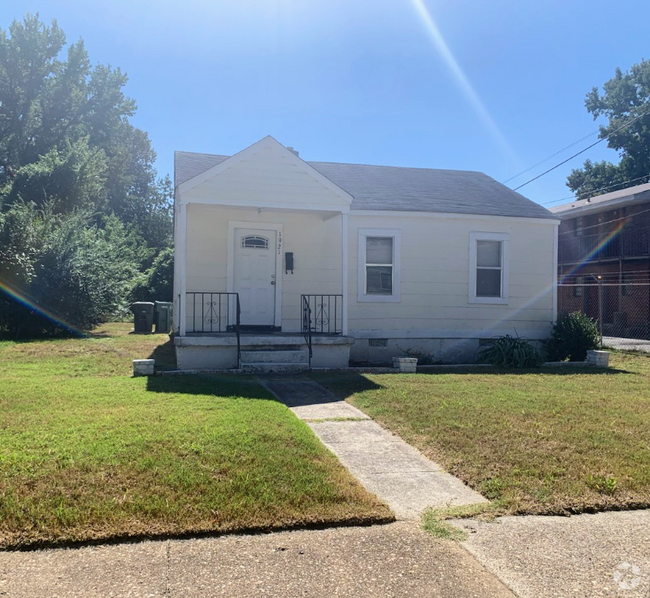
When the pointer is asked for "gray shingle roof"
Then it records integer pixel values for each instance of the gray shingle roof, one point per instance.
(401, 189)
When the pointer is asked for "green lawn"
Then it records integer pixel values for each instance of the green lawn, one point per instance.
(87, 452)
(544, 441)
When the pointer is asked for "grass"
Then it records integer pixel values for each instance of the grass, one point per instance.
(434, 520)
(89, 453)
(438, 528)
(547, 441)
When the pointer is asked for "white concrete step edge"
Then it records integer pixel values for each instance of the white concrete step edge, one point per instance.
(273, 356)
(274, 368)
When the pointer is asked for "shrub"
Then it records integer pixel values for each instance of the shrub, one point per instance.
(64, 272)
(571, 337)
(511, 352)
(157, 284)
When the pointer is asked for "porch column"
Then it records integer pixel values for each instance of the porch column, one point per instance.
(344, 272)
(182, 268)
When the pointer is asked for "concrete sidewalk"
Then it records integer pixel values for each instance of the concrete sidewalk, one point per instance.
(396, 560)
(583, 556)
(387, 466)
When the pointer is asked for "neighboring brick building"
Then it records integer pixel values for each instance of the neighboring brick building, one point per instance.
(604, 247)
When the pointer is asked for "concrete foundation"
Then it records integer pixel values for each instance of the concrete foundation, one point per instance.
(428, 351)
(217, 352)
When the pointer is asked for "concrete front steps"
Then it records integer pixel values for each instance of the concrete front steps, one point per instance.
(274, 360)
(278, 352)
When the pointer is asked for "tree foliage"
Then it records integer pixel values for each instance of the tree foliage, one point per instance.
(83, 216)
(625, 102)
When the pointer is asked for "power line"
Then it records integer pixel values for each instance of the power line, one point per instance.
(595, 191)
(627, 124)
(549, 157)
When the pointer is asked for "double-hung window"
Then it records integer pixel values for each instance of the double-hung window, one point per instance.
(378, 265)
(488, 271)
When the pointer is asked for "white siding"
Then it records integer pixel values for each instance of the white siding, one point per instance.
(434, 274)
(268, 186)
(314, 241)
(267, 177)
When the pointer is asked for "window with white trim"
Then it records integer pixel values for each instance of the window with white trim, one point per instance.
(488, 272)
(378, 265)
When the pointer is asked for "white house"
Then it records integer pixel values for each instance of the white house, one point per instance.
(277, 257)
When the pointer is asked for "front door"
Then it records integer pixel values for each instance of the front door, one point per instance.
(254, 275)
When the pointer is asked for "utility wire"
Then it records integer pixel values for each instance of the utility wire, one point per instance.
(549, 157)
(627, 124)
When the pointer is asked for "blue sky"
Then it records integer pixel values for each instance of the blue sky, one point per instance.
(494, 85)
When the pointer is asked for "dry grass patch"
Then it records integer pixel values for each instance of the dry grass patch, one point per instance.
(543, 441)
(87, 452)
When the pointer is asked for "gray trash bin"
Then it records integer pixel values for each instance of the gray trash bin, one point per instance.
(143, 316)
(163, 317)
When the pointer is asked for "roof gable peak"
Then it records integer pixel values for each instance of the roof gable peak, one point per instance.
(267, 142)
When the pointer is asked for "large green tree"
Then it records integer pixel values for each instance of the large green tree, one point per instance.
(625, 102)
(83, 216)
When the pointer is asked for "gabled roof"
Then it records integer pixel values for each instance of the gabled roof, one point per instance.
(629, 196)
(392, 188)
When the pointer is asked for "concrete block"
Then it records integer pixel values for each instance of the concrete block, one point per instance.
(406, 365)
(143, 367)
(598, 358)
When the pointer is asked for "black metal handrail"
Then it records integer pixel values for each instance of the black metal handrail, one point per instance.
(321, 315)
(306, 325)
(212, 312)
(327, 311)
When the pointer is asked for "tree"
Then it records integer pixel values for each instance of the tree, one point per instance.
(625, 101)
(46, 101)
(83, 216)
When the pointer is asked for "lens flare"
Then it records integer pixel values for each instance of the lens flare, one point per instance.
(32, 304)
(473, 98)
(606, 240)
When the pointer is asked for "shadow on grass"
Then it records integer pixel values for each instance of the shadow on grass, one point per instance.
(344, 384)
(165, 356)
(102, 334)
(235, 387)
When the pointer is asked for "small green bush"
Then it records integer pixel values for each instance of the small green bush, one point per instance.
(511, 352)
(571, 337)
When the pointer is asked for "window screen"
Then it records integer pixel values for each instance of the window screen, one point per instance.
(379, 265)
(488, 268)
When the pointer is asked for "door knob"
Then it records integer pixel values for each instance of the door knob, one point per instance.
(273, 282)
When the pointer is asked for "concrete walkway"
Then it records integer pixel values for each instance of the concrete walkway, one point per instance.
(396, 560)
(626, 344)
(584, 556)
(387, 466)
